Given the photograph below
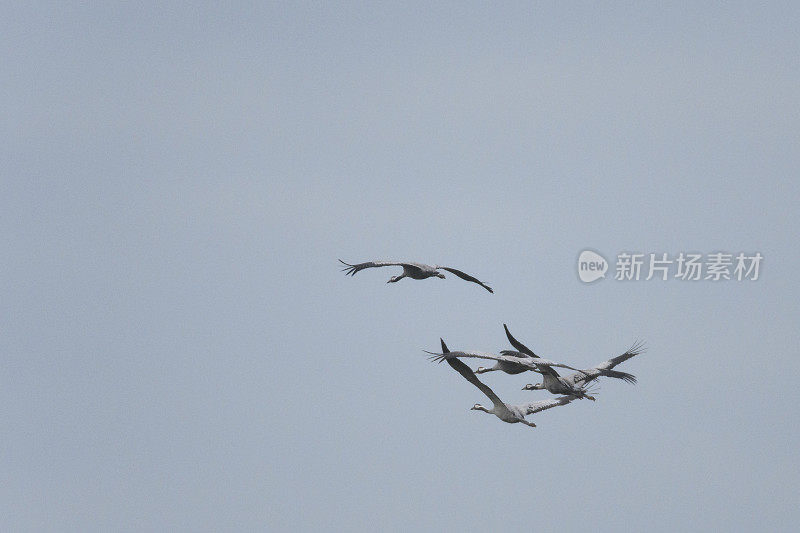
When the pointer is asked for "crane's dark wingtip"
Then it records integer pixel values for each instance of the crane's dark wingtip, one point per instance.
(434, 357)
(638, 347)
(349, 270)
(624, 376)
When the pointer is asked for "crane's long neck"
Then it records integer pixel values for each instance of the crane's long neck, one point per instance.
(480, 407)
(395, 279)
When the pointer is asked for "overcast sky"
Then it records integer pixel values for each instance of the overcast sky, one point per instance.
(179, 350)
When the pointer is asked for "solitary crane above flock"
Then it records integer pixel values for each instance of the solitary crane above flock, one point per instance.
(412, 270)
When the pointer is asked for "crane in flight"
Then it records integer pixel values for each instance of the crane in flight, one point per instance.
(577, 382)
(511, 414)
(509, 367)
(412, 270)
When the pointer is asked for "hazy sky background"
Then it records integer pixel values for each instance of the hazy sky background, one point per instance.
(180, 350)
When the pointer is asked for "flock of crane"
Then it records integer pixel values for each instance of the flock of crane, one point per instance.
(522, 359)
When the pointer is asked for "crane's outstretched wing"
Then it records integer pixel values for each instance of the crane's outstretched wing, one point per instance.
(514, 353)
(520, 355)
(535, 407)
(637, 348)
(353, 269)
(518, 345)
(466, 277)
(470, 376)
(524, 349)
(604, 368)
(533, 364)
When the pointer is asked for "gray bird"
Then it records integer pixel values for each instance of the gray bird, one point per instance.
(577, 382)
(555, 383)
(413, 271)
(505, 412)
(507, 366)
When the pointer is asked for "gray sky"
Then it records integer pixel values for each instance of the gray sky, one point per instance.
(180, 351)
